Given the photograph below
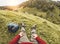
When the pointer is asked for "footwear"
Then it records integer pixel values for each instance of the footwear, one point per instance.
(22, 27)
(33, 29)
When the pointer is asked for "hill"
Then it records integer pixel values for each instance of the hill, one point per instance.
(9, 7)
(49, 10)
(52, 16)
(48, 31)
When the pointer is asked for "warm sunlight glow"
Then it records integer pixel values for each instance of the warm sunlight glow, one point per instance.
(12, 7)
(11, 2)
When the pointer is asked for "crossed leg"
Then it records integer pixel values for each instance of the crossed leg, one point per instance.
(33, 33)
(25, 38)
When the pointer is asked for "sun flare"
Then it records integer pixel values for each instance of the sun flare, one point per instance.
(15, 2)
(11, 2)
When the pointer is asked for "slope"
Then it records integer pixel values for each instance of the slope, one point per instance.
(52, 16)
(46, 30)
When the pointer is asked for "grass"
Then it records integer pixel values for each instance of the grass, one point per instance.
(52, 16)
(48, 31)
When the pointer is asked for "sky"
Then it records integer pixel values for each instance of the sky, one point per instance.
(56, 0)
(13, 2)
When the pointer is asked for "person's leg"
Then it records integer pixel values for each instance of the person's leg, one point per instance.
(24, 38)
(33, 31)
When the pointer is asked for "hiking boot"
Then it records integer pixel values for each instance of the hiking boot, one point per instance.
(33, 31)
(22, 27)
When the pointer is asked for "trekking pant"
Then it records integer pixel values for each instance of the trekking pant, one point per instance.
(25, 39)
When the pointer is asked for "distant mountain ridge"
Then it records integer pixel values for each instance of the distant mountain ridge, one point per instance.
(9, 7)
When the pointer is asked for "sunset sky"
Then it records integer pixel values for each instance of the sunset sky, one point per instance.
(12, 2)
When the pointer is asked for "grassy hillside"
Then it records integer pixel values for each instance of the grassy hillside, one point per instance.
(49, 10)
(52, 16)
(46, 30)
